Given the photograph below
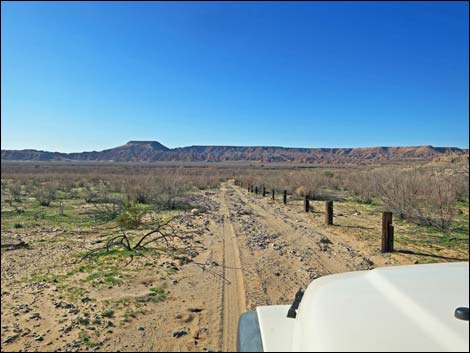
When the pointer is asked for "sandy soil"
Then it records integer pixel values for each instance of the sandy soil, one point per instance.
(250, 251)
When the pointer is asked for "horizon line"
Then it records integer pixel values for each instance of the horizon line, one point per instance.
(248, 146)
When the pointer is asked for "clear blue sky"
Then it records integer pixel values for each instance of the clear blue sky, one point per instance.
(89, 76)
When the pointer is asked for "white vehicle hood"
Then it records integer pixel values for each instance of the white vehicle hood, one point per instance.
(402, 308)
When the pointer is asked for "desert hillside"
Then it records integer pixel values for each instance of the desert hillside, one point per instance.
(150, 151)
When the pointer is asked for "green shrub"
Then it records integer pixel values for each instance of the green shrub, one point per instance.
(131, 217)
(87, 340)
(109, 313)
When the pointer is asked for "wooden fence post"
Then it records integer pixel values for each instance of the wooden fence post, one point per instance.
(387, 232)
(264, 191)
(329, 212)
(307, 203)
(273, 194)
(391, 236)
(284, 199)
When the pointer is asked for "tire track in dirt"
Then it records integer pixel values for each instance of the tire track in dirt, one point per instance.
(341, 253)
(233, 289)
(274, 267)
(324, 265)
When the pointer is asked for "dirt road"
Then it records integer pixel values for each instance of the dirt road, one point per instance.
(268, 257)
(233, 289)
(280, 253)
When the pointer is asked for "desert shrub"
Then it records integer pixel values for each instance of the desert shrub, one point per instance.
(209, 179)
(114, 185)
(422, 196)
(169, 191)
(399, 191)
(442, 195)
(109, 313)
(4, 186)
(29, 187)
(15, 191)
(107, 210)
(89, 193)
(301, 190)
(462, 184)
(85, 338)
(95, 192)
(139, 190)
(65, 184)
(361, 185)
(74, 193)
(131, 216)
(106, 206)
(313, 183)
(46, 193)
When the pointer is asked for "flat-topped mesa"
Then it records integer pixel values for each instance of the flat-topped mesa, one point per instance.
(153, 144)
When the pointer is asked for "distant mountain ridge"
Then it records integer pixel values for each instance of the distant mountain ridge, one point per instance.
(153, 151)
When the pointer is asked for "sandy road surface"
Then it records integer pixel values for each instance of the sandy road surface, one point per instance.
(277, 255)
(233, 290)
(324, 263)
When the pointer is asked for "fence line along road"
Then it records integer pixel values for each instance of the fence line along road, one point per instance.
(388, 230)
